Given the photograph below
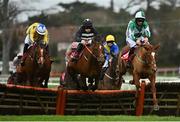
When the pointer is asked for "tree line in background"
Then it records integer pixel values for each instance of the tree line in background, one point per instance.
(164, 24)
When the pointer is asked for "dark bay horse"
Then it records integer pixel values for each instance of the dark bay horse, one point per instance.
(88, 66)
(111, 79)
(37, 67)
(143, 66)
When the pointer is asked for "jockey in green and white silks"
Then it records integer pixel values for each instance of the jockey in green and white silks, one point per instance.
(137, 30)
(137, 33)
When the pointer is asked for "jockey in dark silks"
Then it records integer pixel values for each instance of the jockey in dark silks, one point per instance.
(111, 49)
(85, 33)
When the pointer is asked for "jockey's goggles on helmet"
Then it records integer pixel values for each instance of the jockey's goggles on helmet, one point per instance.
(140, 20)
(87, 27)
(38, 37)
(111, 41)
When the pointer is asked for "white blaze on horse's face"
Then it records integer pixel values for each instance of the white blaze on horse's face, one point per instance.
(41, 56)
(153, 55)
(154, 61)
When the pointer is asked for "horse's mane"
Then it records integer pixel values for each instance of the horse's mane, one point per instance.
(148, 47)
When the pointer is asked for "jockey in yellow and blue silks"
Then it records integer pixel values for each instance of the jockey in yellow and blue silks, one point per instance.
(35, 32)
(111, 49)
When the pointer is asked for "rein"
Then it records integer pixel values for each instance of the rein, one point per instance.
(90, 52)
(140, 59)
(108, 76)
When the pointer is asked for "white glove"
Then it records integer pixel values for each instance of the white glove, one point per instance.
(90, 41)
(105, 64)
(83, 41)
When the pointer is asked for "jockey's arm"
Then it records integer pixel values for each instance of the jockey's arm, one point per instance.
(130, 31)
(147, 32)
(107, 55)
(107, 58)
(78, 36)
(115, 51)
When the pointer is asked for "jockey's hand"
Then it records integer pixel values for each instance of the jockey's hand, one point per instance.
(112, 54)
(83, 41)
(138, 42)
(110, 60)
(90, 41)
(146, 40)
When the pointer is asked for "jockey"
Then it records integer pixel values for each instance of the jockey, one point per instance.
(35, 32)
(86, 33)
(137, 33)
(111, 49)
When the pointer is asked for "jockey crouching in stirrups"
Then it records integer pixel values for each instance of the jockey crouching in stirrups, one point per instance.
(137, 33)
(111, 49)
(35, 32)
(85, 33)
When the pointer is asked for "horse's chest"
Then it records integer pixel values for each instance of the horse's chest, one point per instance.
(145, 73)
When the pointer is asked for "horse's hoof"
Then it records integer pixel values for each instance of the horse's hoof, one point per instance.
(156, 107)
(85, 88)
(94, 88)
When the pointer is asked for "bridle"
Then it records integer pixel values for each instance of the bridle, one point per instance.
(92, 53)
(145, 61)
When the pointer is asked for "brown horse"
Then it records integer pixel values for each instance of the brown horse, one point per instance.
(143, 66)
(37, 67)
(88, 66)
(111, 78)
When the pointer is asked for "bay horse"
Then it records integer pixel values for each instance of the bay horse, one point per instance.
(88, 66)
(37, 67)
(143, 66)
(111, 80)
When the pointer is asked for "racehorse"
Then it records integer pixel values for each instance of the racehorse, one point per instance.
(143, 66)
(111, 79)
(37, 67)
(88, 66)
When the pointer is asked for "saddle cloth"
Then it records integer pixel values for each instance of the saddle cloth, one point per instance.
(125, 56)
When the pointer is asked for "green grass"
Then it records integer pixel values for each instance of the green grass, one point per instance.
(87, 118)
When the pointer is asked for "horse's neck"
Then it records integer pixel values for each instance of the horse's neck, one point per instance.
(140, 51)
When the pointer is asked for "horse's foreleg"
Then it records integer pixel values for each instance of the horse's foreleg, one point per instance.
(95, 86)
(46, 82)
(136, 79)
(153, 90)
(75, 79)
(83, 82)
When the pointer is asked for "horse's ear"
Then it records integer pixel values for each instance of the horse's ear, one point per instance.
(98, 38)
(156, 47)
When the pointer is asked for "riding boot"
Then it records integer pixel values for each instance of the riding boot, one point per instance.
(102, 73)
(75, 55)
(24, 54)
(131, 56)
